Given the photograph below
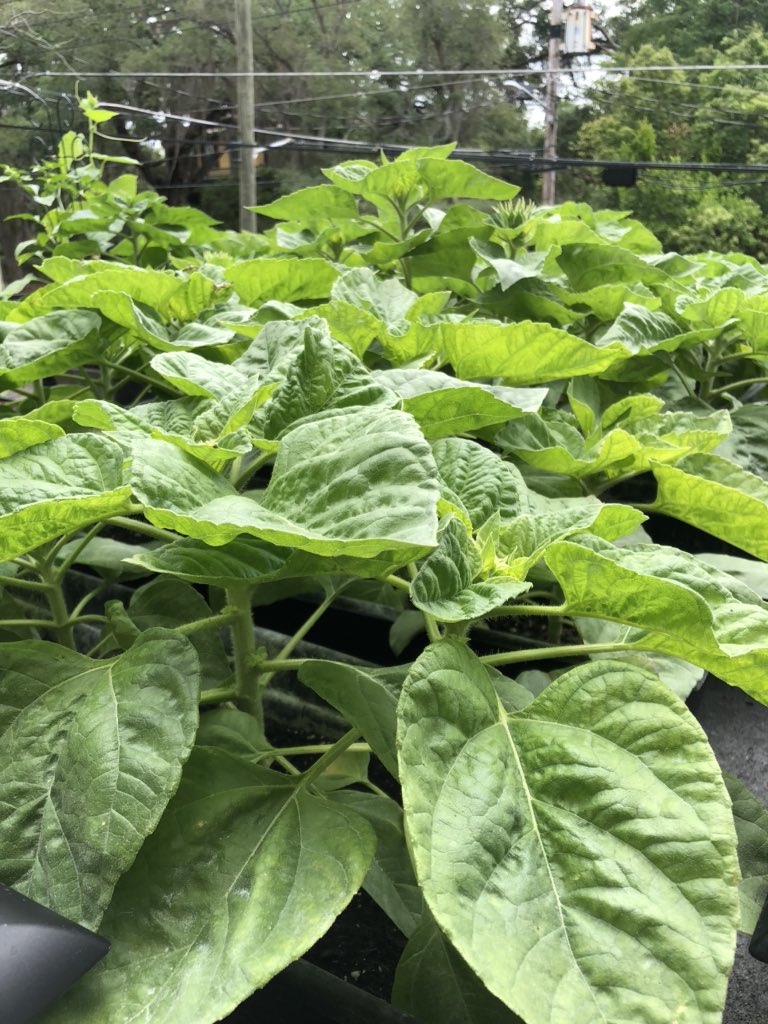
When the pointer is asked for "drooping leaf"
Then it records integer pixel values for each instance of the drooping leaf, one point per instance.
(90, 754)
(751, 819)
(254, 563)
(645, 927)
(56, 487)
(716, 495)
(444, 406)
(390, 880)
(434, 983)
(366, 696)
(18, 433)
(689, 609)
(312, 205)
(46, 345)
(356, 482)
(522, 353)
(198, 924)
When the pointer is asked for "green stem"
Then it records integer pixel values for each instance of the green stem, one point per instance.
(251, 468)
(138, 526)
(212, 622)
(37, 623)
(283, 665)
(63, 567)
(526, 609)
(85, 601)
(13, 581)
(338, 748)
(544, 654)
(57, 603)
(301, 632)
(738, 384)
(398, 581)
(312, 748)
(247, 683)
(218, 695)
(158, 384)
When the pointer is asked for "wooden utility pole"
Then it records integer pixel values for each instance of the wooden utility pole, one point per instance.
(550, 100)
(246, 112)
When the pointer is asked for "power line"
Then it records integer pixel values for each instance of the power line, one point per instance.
(375, 74)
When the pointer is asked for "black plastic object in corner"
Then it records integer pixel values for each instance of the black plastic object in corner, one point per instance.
(758, 947)
(41, 955)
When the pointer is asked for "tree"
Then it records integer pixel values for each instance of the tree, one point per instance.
(683, 117)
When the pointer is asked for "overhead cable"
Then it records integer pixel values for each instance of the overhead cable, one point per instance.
(374, 74)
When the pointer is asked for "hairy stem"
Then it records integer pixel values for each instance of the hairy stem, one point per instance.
(247, 683)
(226, 617)
(544, 654)
(139, 526)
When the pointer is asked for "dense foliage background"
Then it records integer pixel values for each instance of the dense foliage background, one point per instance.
(683, 116)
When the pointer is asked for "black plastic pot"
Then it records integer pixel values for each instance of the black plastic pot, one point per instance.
(41, 955)
(304, 992)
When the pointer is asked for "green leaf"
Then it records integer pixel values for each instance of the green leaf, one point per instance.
(481, 481)
(434, 983)
(436, 179)
(689, 610)
(716, 495)
(366, 696)
(356, 482)
(571, 896)
(524, 539)
(642, 330)
(390, 880)
(232, 731)
(90, 754)
(198, 923)
(747, 444)
(522, 353)
(289, 280)
(169, 603)
(751, 820)
(749, 572)
(450, 586)
(444, 406)
(386, 298)
(551, 440)
(194, 375)
(680, 676)
(209, 430)
(352, 326)
(106, 555)
(58, 487)
(589, 266)
(317, 204)
(324, 375)
(46, 345)
(18, 433)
